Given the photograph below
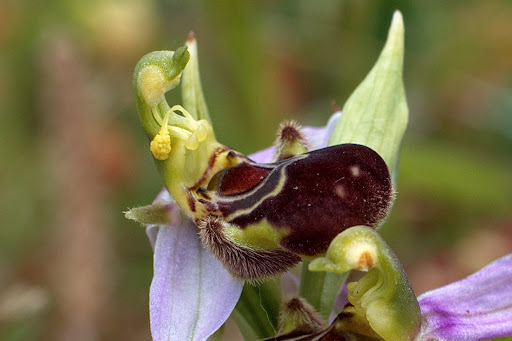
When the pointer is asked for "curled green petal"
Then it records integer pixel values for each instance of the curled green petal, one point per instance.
(376, 113)
(383, 297)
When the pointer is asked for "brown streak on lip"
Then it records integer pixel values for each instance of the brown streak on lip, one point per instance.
(204, 193)
(211, 162)
(210, 207)
(198, 185)
(365, 261)
(191, 201)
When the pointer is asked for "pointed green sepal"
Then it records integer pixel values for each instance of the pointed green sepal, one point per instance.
(383, 297)
(376, 113)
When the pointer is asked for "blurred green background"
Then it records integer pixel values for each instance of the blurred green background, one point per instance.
(73, 157)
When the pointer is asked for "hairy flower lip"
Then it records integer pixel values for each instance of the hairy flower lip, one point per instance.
(310, 187)
(333, 188)
(242, 262)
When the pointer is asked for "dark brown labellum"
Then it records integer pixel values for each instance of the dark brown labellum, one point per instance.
(314, 196)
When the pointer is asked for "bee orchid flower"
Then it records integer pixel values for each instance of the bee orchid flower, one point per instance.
(237, 218)
(185, 273)
(318, 195)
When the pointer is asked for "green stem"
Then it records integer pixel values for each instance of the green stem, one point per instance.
(257, 311)
(321, 289)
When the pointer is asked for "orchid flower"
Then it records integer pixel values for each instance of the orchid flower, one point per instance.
(318, 196)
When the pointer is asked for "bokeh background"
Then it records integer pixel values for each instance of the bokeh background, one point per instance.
(73, 156)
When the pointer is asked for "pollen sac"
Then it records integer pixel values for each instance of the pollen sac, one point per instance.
(160, 146)
(308, 199)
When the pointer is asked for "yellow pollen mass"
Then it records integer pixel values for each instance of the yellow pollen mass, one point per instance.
(160, 146)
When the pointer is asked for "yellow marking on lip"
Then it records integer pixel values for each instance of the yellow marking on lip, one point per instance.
(340, 191)
(272, 193)
(262, 235)
(355, 170)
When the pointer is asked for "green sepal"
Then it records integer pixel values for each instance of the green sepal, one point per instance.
(383, 297)
(376, 113)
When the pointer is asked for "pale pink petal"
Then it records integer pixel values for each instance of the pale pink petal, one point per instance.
(476, 308)
(191, 294)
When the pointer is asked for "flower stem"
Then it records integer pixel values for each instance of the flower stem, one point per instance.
(257, 311)
(321, 289)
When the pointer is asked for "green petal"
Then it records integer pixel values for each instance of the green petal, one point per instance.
(158, 213)
(375, 115)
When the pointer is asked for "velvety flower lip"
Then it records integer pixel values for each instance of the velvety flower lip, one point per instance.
(477, 307)
(191, 294)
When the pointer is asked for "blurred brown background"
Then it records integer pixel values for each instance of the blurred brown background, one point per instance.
(73, 157)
